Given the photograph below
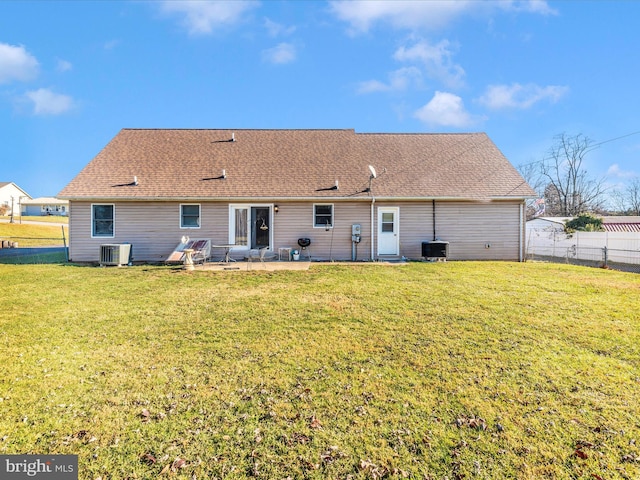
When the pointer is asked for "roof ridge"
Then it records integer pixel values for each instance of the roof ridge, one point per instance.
(422, 133)
(247, 129)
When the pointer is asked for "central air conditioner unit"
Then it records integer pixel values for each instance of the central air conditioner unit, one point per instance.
(435, 249)
(115, 254)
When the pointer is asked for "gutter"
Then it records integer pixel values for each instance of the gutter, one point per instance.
(281, 199)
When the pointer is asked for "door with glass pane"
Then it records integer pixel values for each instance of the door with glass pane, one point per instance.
(260, 227)
(250, 226)
(388, 230)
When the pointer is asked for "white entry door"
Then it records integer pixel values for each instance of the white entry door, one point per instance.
(388, 231)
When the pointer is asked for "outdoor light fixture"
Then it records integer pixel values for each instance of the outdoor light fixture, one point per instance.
(276, 209)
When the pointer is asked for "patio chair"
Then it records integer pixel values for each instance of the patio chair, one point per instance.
(260, 254)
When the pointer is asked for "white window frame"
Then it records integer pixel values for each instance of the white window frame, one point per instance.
(93, 205)
(333, 211)
(189, 227)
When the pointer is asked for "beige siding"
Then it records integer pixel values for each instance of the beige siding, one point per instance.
(480, 231)
(295, 220)
(468, 227)
(153, 228)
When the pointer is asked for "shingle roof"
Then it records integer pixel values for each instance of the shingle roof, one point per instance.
(44, 201)
(183, 164)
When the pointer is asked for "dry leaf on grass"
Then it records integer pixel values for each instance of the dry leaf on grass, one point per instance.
(148, 458)
(315, 423)
(178, 463)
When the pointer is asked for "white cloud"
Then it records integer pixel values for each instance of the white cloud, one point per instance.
(280, 54)
(63, 66)
(276, 29)
(530, 6)
(615, 171)
(517, 96)
(46, 102)
(203, 17)
(361, 15)
(447, 110)
(436, 59)
(16, 64)
(399, 80)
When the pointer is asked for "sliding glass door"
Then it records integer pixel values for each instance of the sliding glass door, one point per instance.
(250, 226)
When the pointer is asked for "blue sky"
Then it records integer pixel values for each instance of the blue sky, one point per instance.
(72, 74)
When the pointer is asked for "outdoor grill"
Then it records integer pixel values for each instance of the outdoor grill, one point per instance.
(304, 244)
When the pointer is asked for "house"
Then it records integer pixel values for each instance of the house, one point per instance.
(44, 206)
(352, 196)
(621, 223)
(547, 224)
(624, 223)
(11, 195)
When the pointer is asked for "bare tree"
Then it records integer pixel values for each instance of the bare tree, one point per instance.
(627, 201)
(570, 188)
(531, 174)
(633, 194)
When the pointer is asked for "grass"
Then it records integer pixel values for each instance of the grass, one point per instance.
(30, 235)
(43, 257)
(447, 370)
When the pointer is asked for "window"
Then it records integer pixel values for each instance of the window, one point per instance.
(189, 216)
(323, 215)
(102, 220)
(387, 222)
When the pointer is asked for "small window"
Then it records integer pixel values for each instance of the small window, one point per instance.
(189, 216)
(387, 222)
(102, 220)
(323, 216)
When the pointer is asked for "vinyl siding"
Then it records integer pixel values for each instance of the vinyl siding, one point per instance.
(470, 227)
(153, 229)
(295, 220)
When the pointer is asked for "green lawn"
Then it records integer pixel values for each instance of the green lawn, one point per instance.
(30, 235)
(428, 370)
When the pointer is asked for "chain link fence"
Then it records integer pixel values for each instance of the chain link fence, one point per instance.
(575, 254)
(30, 250)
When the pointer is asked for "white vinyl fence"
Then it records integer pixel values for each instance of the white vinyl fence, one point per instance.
(611, 249)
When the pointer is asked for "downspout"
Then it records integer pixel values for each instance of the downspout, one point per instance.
(433, 210)
(373, 201)
(522, 233)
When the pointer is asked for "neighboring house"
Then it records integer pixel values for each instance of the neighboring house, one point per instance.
(609, 223)
(547, 224)
(270, 188)
(11, 195)
(45, 206)
(621, 224)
